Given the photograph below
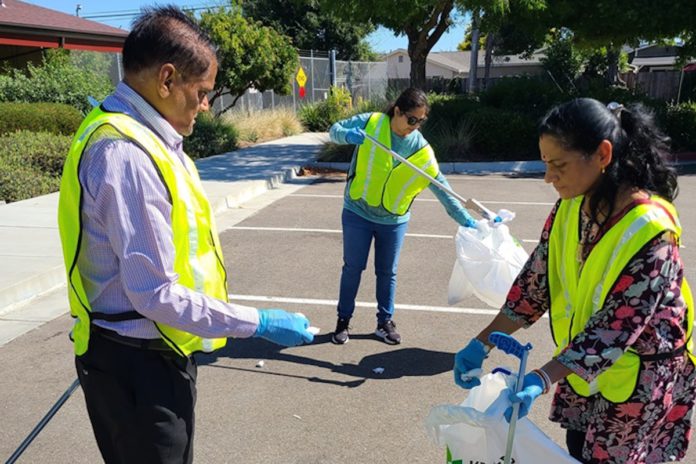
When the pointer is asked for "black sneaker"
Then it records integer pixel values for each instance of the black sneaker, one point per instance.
(340, 335)
(387, 332)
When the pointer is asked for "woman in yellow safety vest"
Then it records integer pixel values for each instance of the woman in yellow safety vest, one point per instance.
(377, 200)
(608, 271)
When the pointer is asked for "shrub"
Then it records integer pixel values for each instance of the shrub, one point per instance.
(503, 135)
(336, 153)
(265, 125)
(530, 95)
(598, 89)
(447, 110)
(31, 164)
(55, 80)
(679, 121)
(211, 136)
(451, 141)
(318, 117)
(56, 118)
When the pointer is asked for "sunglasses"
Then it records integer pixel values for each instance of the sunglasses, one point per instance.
(414, 121)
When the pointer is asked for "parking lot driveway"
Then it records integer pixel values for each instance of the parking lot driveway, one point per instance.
(319, 403)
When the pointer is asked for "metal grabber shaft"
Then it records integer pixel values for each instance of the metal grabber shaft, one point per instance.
(469, 204)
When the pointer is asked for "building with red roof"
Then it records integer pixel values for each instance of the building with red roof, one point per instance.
(26, 30)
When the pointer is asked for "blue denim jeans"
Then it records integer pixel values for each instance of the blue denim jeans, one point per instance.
(357, 239)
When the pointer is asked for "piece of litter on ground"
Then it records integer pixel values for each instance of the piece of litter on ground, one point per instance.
(313, 330)
(378, 370)
(296, 416)
(260, 363)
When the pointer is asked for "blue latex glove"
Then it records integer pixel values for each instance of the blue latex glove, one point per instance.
(466, 220)
(283, 328)
(469, 358)
(532, 387)
(355, 136)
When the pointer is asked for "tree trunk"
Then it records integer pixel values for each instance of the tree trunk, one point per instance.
(473, 66)
(612, 74)
(420, 44)
(490, 40)
(418, 56)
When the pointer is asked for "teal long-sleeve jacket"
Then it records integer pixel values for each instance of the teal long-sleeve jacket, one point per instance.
(404, 146)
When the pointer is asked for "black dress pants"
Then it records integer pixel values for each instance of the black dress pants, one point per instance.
(140, 402)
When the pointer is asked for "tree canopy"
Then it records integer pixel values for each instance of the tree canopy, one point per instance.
(251, 55)
(422, 22)
(312, 27)
(603, 23)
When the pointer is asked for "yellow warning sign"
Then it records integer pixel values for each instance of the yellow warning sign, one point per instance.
(301, 77)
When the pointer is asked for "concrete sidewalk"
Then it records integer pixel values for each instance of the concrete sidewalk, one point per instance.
(32, 275)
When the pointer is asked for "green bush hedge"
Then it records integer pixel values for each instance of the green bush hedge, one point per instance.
(679, 121)
(58, 79)
(530, 95)
(56, 118)
(31, 164)
(211, 136)
(318, 117)
(503, 135)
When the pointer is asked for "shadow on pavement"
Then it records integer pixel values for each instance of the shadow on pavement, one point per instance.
(395, 362)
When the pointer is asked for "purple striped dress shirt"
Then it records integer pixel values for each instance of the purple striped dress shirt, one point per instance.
(127, 251)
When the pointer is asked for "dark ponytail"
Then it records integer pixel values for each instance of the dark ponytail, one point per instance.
(639, 147)
(409, 99)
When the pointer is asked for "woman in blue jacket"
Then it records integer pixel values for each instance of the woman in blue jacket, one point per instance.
(377, 199)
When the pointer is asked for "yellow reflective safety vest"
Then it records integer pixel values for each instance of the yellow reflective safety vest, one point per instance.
(578, 293)
(198, 258)
(377, 182)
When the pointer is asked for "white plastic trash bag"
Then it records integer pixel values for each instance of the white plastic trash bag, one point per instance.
(488, 261)
(476, 431)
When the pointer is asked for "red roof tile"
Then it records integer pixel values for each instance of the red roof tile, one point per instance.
(25, 15)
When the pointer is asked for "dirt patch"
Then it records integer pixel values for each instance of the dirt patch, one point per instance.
(316, 171)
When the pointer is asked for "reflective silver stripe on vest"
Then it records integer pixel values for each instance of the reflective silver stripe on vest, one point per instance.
(407, 184)
(637, 224)
(185, 197)
(370, 163)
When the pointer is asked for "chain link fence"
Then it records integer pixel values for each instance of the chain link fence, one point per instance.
(364, 80)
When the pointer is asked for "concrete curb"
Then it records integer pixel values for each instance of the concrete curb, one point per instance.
(223, 195)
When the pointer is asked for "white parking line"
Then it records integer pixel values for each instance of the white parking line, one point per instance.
(491, 202)
(334, 231)
(363, 304)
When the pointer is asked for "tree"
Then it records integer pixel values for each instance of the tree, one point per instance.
(314, 28)
(562, 61)
(485, 20)
(610, 24)
(251, 55)
(422, 22)
(465, 44)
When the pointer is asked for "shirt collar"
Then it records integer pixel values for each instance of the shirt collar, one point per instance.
(127, 100)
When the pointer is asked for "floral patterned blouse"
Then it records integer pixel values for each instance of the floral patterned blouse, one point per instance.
(644, 311)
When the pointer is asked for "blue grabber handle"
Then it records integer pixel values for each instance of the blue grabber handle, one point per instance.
(509, 345)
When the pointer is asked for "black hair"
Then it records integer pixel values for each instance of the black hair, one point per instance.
(165, 34)
(639, 147)
(409, 99)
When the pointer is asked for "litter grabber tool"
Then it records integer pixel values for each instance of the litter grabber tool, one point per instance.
(470, 203)
(509, 345)
(42, 423)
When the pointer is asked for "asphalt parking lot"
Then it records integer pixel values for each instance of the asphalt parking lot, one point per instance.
(319, 403)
